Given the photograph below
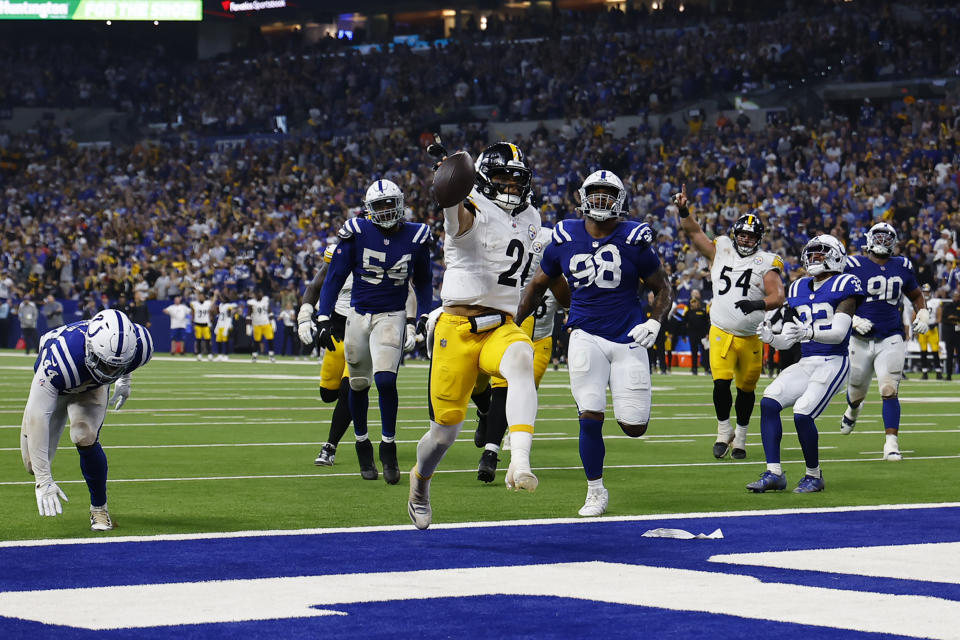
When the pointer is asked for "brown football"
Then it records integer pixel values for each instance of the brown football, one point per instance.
(453, 179)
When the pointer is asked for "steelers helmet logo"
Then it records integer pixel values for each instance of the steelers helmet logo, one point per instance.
(532, 231)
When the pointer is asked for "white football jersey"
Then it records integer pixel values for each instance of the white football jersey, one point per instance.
(543, 315)
(259, 311)
(484, 266)
(201, 312)
(225, 315)
(342, 306)
(736, 278)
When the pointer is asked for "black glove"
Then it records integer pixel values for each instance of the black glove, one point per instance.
(437, 150)
(325, 333)
(422, 326)
(749, 306)
(682, 210)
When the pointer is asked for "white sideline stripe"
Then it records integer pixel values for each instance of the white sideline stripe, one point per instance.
(696, 515)
(473, 470)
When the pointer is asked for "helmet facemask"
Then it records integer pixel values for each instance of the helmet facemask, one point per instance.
(509, 184)
(385, 212)
(881, 239)
(601, 201)
(821, 257)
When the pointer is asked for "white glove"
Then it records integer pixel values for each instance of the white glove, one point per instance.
(121, 391)
(645, 333)
(305, 327)
(766, 333)
(410, 338)
(796, 331)
(48, 499)
(431, 327)
(862, 325)
(921, 323)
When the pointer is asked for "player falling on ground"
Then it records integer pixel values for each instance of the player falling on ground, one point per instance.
(746, 283)
(488, 237)
(539, 326)
(824, 302)
(334, 376)
(930, 341)
(606, 261)
(73, 372)
(384, 253)
(261, 318)
(878, 343)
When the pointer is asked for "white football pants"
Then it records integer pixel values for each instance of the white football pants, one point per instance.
(883, 357)
(596, 362)
(808, 385)
(373, 342)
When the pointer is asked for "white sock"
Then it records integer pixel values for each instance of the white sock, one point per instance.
(813, 472)
(723, 430)
(593, 484)
(853, 412)
(775, 468)
(362, 438)
(387, 438)
(892, 440)
(492, 447)
(740, 436)
(520, 443)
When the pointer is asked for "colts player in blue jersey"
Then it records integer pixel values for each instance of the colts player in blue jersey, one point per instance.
(607, 261)
(72, 374)
(824, 303)
(383, 253)
(878, 342)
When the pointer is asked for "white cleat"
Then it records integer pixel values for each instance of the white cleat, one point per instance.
(891, 452)
(100, 519)
(518, 479)
(418, 505)
(596, 503)
(847, 424)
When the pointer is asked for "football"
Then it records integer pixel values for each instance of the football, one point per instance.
(453, 179)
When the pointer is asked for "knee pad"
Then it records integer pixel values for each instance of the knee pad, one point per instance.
(85, 438)
(329, 395)
(888, 390)
(517, 359)
(450, 416)
(359, 384)
(633, 430)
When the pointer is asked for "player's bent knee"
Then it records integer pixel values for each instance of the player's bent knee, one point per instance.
(359, 384)
(633, 430)
(517, 360)
(446, 417)
(592, 415)
(329, 395)
(769, 405)
(83, 437)
(444, 435)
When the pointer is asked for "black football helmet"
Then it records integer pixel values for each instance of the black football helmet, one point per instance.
(752, 225)
(502, 165)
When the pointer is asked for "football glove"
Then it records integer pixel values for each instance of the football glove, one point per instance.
(422, 327)
(749, 306)
(48, 499)
(306, 329)
(410, 337)
(437, 150)
(121, 391)
(796, 331)
(921, 323)
(325, 333)
(766, 333)
(645, 333)
(862, 325)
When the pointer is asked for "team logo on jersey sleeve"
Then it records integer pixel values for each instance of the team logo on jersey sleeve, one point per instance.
(537, 247)
(532, 231)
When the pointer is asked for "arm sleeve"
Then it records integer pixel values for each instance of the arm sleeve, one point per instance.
(780, 343)
(340, 266)
(423, 281)
(38, 449)
(838, 331)
(451, 220)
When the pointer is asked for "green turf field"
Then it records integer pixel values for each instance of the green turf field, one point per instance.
(209, 446)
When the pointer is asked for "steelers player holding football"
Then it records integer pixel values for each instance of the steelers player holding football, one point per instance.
(489, 235)
(746, 283)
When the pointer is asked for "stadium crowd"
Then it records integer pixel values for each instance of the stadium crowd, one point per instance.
(112, 225)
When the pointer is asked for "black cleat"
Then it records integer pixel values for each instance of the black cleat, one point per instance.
(720, 449)
(368, 469)
(480, 435)
(487, 470)
(939, 376)
(738, 454)
(925, 376)
(388, 458)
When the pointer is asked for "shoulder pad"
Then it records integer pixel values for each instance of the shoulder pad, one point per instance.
(560, 234)
(641, 235)
(328, 252)
(794, 287)
(422, 234)
(351, 227)
(852, 262)
(906, 263)
(776, 263)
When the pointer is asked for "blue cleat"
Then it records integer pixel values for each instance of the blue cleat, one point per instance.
(809, 484)
(769, 481)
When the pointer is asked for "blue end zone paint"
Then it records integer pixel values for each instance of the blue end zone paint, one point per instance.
(65, 566)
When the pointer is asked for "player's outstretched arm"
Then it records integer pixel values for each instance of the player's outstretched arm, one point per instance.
(663, 294)
(689, 224)
(37, 449)
(773, 287)
(533, 294)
